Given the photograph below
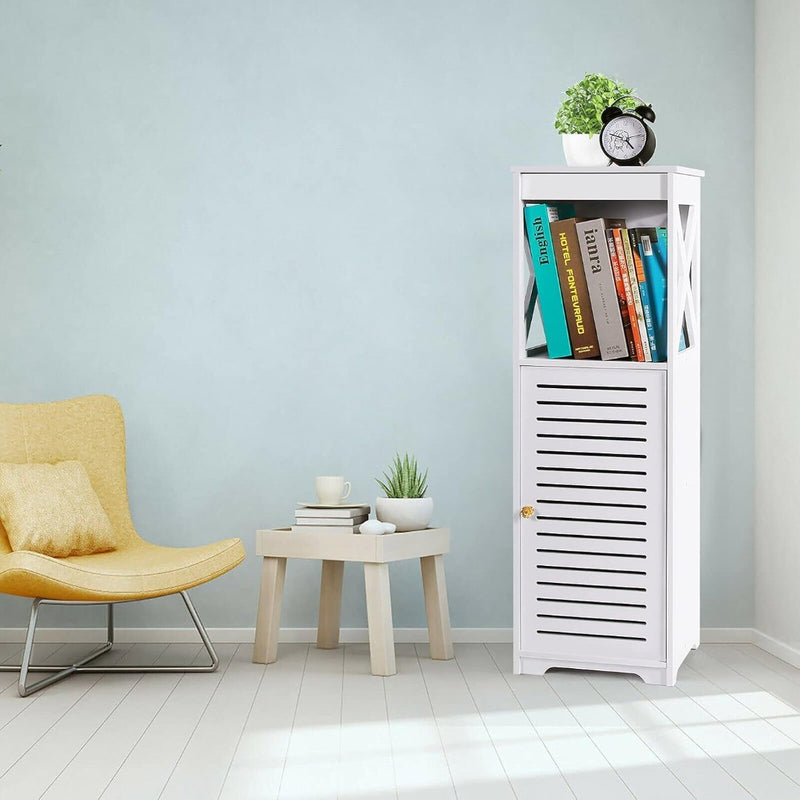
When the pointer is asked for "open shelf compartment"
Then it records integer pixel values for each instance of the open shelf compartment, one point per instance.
(668, 198)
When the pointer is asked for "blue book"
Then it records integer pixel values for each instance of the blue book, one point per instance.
(661, 244)
(654, 259)
(653, 247)
(546, 290)
(647, 304)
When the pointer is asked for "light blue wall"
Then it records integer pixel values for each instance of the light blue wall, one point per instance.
(280, 234)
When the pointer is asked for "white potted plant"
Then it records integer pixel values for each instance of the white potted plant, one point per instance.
(405, 504)
(578, 119)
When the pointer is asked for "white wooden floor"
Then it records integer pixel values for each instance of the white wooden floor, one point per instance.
(316, 725)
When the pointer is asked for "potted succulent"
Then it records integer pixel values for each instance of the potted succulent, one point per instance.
(578, 119)
(405, 504)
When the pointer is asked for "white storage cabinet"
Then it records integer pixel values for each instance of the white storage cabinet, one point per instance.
(607, 455)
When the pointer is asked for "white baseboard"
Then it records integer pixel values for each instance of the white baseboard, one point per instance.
(241, 635)
(781, 650)
(726, 635)
(787, 653)
(419, 635)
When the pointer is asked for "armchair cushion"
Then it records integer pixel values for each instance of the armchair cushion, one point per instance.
(132, 572)
(52, 509)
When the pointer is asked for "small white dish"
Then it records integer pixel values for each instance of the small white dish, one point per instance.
(374, 527)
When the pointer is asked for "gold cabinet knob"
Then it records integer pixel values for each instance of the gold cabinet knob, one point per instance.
(527, 512)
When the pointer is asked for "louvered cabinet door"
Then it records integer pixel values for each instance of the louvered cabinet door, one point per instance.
(592, 565)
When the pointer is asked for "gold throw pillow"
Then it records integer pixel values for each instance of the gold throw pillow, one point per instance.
(52, 509)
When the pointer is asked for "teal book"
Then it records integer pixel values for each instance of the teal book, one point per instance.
(644, 291)
(661, 244)
(654, 260)
(546, 289)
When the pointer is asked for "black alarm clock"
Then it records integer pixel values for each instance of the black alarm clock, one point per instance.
(626, 138)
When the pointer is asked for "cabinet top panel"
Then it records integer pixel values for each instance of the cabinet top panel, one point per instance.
(609, 170)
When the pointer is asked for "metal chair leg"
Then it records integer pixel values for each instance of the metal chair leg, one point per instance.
(62, 671)
(25, 667)
(198, 623)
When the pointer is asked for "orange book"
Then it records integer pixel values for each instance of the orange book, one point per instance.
(638, 350)
(618, 285)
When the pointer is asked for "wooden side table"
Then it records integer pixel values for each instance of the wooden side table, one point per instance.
(375, 552)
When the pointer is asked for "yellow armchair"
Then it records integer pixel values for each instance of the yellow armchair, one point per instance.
(92, 430)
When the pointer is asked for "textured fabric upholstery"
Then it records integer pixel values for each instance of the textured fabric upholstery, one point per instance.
(92, 430)
(52, 509)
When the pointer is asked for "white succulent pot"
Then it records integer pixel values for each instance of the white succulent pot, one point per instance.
(583, 150)
(407, 513)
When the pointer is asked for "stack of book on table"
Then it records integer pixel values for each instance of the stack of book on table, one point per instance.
(330, 519)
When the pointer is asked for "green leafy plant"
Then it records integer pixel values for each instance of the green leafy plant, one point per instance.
(585, 101)
(403, 478)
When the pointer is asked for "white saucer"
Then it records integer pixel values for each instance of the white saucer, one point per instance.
(337, 505)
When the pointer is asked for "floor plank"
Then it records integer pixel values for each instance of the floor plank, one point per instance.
(748, 693)
(103, 753)
(257, 765)
(776, 747)
(475, 766)
(741, 761)
(10, 653)
(42, 710)
(773, 662)
(772, 674)
(203, 765)
(11, 704)
(636, 764)
(63, 718)
(530, 768)
(314, 740)
(150, 763)
(420, 765)
(580, 761)
(365, 767)
(701, 775)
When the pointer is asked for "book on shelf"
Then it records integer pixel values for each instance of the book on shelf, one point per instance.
(622, 292)
(654, 262)
(655, 258)
(346, 513)
(602, 287)
(574, 291)
(633, 277)
(544, 287)
(619, 233)
(647, 306)
(336, 522)
(326, 528)
(612, 281)
(662, 244)
(535, 338)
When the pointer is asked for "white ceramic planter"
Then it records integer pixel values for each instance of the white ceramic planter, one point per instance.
(583, 150)
(407, 513)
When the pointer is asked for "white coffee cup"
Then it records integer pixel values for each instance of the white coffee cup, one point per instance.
(331, 490)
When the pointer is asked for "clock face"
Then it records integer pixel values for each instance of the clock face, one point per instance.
(624, 137)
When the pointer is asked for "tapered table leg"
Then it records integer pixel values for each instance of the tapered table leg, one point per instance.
(273, 572)
(330, 605)
(435, 588)
(379, 619)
